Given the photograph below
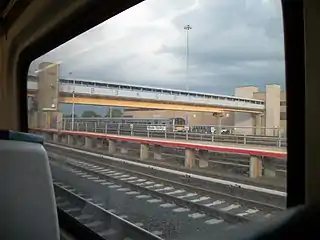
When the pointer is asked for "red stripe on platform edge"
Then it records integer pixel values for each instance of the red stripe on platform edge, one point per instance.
(175, 144)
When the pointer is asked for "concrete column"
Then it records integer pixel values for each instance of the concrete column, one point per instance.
(272, 106)
(47, 95)
(157, 152)
(243, 122)
(219, 119)
(55, 137)
(89, 142)
(112, 146)
(203, 158)
(269, 168)
(189, 158)
(44, 135)
(255, 167)
(71, 140)
(144, 151)
(47, 136)
(258, 124)
(64, 139)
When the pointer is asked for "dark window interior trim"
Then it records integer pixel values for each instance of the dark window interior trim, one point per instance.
(293, 19)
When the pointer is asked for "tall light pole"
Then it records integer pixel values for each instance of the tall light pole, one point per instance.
(73, 106)
(187, 28)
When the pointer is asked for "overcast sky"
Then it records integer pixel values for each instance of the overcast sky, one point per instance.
(232, 43)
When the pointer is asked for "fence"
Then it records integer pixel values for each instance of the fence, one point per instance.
(141, 130)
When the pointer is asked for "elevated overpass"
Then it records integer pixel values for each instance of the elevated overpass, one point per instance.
(49, 90)
(125, 95)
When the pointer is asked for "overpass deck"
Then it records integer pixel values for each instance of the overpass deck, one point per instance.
(104, 93)
(210, 146)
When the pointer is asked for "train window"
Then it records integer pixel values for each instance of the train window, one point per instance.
(237, 58)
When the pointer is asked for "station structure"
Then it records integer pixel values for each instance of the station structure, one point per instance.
(47, 90)
(261, 158)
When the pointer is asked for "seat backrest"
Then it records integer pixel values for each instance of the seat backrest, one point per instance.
(27, 202)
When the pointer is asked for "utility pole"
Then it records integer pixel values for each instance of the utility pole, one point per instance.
(110, 112)
(187, 28)
(73, 105)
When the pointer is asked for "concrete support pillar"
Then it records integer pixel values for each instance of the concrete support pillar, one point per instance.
(144, 151)
(157, 152)
(269, 168)
(255, 167)
(203, 158)
(64, 139)
(258, 124)
(89, 142)
(219, 121)
(189, 158)
(47, 136)
(56, 137)
(272, 106)
(71, 140)
(112, 146)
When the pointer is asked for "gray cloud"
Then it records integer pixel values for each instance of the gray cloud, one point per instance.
(232, 43)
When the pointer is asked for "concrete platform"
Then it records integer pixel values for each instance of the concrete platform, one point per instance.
(253, 150)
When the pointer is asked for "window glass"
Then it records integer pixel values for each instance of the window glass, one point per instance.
(222, 115)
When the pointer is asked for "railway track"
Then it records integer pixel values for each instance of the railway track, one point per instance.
(232, 183)
(243, 196)
(93, 216)
(162, 218)
(229, 170)
(202, 197)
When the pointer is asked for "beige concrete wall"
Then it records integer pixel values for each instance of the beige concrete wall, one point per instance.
(259, 96)
(283, 108)
(48, 85)
(48, 92)
(244, 122)
(272, 108)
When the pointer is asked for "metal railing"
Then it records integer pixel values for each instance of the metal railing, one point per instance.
(142, 131)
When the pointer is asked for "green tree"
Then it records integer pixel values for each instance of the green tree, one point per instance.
(114, 112)
(89, 113)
